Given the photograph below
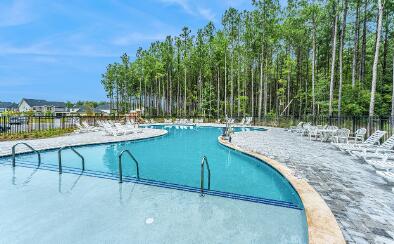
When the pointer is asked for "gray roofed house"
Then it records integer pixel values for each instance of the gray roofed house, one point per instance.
(8, 106)
(104, 108)
(40, 107)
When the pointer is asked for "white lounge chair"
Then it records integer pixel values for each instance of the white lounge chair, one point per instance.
(387, 175)
(80, 128)
(295, 128)
(373, 150)
(372, 140)
(382, 164)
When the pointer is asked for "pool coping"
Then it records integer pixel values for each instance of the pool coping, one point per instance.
(50, 148)
(322, 224)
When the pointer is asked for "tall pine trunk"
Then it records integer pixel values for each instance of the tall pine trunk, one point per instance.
(343, 32)
(355, 44)
(364, 44)
(313, 67)
(261, 83)
(334, 47)
(376, 60)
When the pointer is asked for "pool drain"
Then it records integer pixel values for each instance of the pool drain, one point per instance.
(149, 221)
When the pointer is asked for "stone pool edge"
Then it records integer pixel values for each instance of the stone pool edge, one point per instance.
(322, 224)
(94, 143)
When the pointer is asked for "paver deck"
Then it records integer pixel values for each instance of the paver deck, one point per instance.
(362, 201)
(75, 139)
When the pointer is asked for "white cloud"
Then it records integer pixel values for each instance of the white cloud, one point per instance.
(193, 8)
(16, 13)
(136, 38)
(207, 13)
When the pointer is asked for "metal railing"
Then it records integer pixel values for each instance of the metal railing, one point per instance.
(59, 152)
(30, 147)
(203, 162)
(120, 165)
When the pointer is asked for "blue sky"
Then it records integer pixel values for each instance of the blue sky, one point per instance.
(57, 50)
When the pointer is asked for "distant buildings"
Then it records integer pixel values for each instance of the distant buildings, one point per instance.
(8, 106)
(43, 107)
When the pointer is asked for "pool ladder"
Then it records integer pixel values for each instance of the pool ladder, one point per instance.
(59, 154)
(30, 147)
(120, 164)
(204, 162)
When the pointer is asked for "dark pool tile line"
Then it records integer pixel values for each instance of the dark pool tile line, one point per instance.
(149, 182)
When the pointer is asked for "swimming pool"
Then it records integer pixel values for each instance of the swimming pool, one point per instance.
(173, 161)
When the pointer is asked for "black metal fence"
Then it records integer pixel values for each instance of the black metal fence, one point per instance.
(26, 124)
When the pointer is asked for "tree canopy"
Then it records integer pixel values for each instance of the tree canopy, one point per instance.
(310, 57)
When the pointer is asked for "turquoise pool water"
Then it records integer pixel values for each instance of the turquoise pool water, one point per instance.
(176, 157)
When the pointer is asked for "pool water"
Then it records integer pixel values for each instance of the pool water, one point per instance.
(176, 157)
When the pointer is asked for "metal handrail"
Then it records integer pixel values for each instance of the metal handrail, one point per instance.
(59, 152)
(30, 147)
(203, 162)
(120, 165)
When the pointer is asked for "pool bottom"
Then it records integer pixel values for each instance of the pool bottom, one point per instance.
(94, 210)
(149, 182)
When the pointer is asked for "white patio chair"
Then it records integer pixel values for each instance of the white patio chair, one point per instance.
(341, 136)
(358, 135)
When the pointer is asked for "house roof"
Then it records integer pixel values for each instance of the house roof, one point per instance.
(84, 110)
(36, 102)
(104, 107)
(8, 105)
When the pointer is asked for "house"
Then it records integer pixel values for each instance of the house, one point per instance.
(104, 109)
(83, 110)
(8, 106)
(42, 107)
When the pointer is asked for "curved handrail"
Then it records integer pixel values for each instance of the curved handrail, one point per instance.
(59, 152)
(203, 162)
(30, 147)
(120, 165)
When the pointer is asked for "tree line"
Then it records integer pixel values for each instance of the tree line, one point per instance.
(332, 57)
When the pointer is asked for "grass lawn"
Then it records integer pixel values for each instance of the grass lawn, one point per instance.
(35, 134)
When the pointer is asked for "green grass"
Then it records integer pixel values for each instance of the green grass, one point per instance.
(35, 134)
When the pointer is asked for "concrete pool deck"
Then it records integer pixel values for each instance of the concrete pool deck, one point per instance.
(361, 201)
(76, 139)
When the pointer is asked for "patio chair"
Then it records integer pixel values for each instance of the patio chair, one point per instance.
(358, 135)
(248, 121)
(342, 135)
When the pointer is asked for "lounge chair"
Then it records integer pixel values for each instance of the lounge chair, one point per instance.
(382, 164)
(295, 128)
(80, 128)
(373, 150)
(387, 175)
(372, 140)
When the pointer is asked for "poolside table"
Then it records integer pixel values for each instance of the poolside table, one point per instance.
(327, 134)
